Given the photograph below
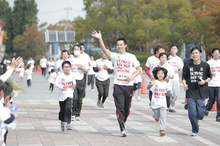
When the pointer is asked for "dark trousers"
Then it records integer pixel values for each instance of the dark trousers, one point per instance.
(91, 79)
(103, 89)
(65, 110)
(77, 97)
(29, 82)
(196, 110)
(168, 101)
(51, 86)
(122, 95)
(84, 79)
(43, 71)
(213, 93)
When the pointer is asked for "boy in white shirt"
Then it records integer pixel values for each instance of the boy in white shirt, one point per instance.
(29, 75)
(52, 78)
(67, 83)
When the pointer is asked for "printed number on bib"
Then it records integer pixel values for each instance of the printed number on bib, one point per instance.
(122, 74)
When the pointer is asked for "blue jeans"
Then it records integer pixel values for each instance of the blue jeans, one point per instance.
(214, 92)
(196, 111)
(29, 82)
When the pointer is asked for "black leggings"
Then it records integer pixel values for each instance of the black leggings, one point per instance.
(51, 86)
(43, 71)
(168, 101)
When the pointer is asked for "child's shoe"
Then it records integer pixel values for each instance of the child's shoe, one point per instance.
(162, 133)
(157, 120)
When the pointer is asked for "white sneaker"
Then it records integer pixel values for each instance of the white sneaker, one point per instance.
(193, 134)
(199, 122)
(123, 133)
(139, 98)
(73, 118)
(77, 118)
(133, 98)
(92, 89)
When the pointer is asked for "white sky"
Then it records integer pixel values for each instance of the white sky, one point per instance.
(52, 11)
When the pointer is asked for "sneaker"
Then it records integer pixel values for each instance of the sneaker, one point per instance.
(73, 118)
(157, 120)
(83, 101)
(63, 126)
(99, 103)
(186, 107)
(133, 98)
(139, 98)
(68, 127)
(123, 133)
(92, 89)
(77, 118)
(199, 122)
(218, 119)
(102, 105)
(162, 133)
(206, 113)
(172, 111)
(193, 134)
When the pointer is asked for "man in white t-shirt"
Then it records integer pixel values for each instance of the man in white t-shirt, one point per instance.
(43, 64)
(151, 63)
(91, 73)
(214, 84)
(88, 60)
(79, 67)
(58, 64)
(177, 65)
(31, 62)
(123, 81)
(103, 68)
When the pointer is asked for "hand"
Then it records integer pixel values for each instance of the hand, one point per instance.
(129, 78)
(1, 35)
(152, 78)
(185, 87)
(16, 63)
(65, 86)
(153, 82)
(82, 67)
(213, 74)
(202, 82)
(105, 67)
(15, 115)
(74, 86)
(179, 68)
(174, 98)
(100, 68)
(96, 35)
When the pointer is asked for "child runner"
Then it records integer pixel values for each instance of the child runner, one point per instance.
(21, 72)
(103, 69)
(160, 89)
(137, 85)
(29, 75)
(52, 78)
(67, 83)
(91, 73)
(50, 65)
(123, 84)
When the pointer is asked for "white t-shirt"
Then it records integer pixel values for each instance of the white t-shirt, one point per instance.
(75, 67)
(123, 67)
(31, 63)
(170, 71)
(43, 62)
(59, 65)
(62, 80)
(85, 57)
(51, 65)
(91, 71)
(158, 94)
(215, 68)
(52, 77)
(138, 77)
(152, 62)
(175, 62)
(103, 75)
(21, 72)
(29, 73)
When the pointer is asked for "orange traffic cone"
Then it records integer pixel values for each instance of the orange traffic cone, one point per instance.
(214, 107)
(35, 69)
(143, 87)
(38, 68)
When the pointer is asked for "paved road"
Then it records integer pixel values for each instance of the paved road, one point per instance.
(38, 124)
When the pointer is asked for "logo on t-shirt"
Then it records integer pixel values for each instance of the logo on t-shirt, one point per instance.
(63, 80)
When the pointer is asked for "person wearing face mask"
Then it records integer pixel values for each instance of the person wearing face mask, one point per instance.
(170, 73)
(58, 65)
(103, 69)
(79, 67)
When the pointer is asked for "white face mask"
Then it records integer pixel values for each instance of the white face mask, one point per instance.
(76, 53)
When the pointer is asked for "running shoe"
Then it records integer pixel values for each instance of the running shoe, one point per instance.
(123, 133)
(133, 98)
(218, 119)
(102, 105)
(92, 89)
(206, 113)
(77, 119)
(157, 120)
(68, 127)
(73, 118)
(162, 133)
(193, 134)
(139, 98)
(172, 111)
(63, 126)
(99, 103)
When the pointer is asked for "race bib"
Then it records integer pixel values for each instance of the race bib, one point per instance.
(122, 74)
